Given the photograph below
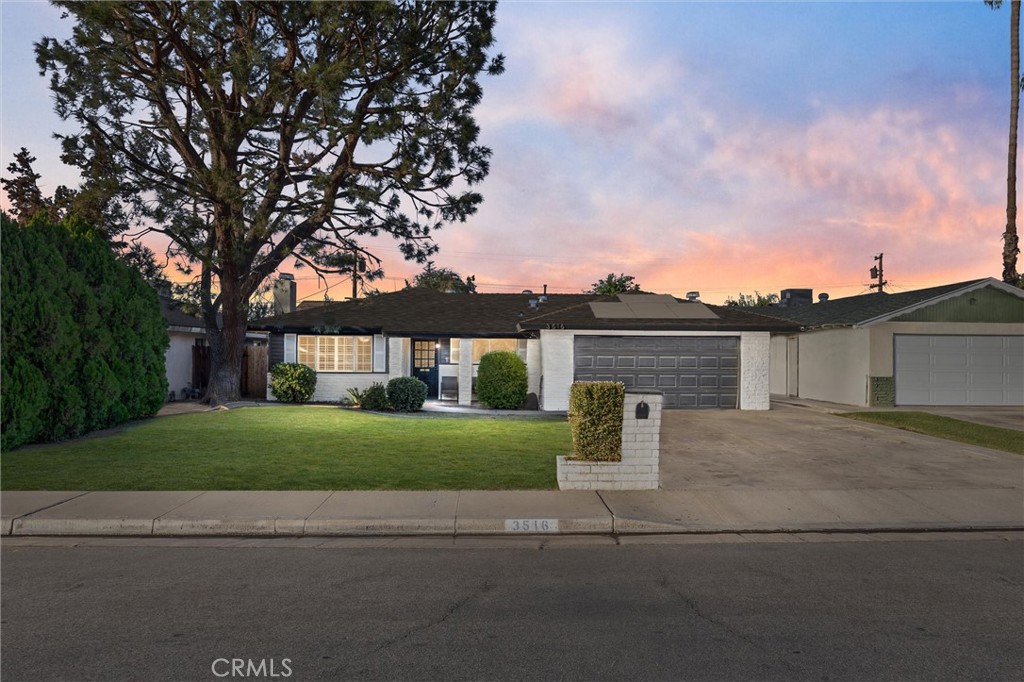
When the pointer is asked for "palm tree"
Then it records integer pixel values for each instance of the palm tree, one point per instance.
(1010, 243)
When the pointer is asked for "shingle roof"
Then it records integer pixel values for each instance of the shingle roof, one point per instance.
(423, 311)
(853, 310)
(174, 317)
(581, 316)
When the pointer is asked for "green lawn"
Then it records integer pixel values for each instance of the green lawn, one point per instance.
(299, 448)
(948, 428)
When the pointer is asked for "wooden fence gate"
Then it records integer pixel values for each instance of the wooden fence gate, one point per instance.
(254, 370)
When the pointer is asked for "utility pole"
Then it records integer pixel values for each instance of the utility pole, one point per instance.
(878, 274)
(355, 274)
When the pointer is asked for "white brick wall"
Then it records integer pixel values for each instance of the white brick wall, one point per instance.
(465, 371)
(638, 470)
(399, 358)
(755, 375)
(332, 388)
(557, 367)
(534, 366)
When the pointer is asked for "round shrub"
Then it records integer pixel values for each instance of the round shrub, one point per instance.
(501, 381)
(291, 382)
(406, 394)
(375, 398)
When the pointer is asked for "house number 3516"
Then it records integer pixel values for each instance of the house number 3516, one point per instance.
(531, 525)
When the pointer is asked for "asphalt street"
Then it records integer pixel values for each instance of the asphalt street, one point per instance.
(924, 607)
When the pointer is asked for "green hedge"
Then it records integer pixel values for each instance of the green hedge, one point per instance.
(501, 380)
(292, 382)
(406, 394)
(595, 419)
(83, 338)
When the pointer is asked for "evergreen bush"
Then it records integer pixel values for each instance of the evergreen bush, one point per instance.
(406, 394)
(83, 337)
(595, 419)
(501, 381)
(292, 382)
(375, 398)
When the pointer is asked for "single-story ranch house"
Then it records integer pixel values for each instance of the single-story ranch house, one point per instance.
(697, 355)
(958, 344)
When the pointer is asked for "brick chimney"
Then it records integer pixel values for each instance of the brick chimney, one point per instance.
(284, 294)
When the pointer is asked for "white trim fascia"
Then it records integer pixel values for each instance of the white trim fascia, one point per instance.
(990, 282)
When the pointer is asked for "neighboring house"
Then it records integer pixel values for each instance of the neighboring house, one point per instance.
(697, 355)
(186, 334)
(958, 344)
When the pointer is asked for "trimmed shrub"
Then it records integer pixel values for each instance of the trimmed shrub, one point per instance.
(501, 380)
(595, 419)
(406, 394)
(83, 337)
(375, 398)
(292, 382)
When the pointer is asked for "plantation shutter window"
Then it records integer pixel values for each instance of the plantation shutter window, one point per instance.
(338, 353)
(307, 351)
(364, 353)
(482, 347)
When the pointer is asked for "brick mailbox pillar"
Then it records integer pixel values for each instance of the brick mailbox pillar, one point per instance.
(641, 441)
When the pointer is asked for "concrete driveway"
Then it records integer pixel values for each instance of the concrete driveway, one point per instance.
(794, 448)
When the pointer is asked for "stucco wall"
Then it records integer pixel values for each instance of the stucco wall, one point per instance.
(833, 365)
(777, 367)
(178, 361)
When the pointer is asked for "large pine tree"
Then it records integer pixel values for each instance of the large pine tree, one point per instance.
(249, 133)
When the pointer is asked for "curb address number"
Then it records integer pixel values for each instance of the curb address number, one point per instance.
(531, 525)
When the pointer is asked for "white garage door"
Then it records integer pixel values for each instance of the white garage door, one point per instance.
(959, 370)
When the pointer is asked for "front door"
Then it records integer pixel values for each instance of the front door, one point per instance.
(424, 364)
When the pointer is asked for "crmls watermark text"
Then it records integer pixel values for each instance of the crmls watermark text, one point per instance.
(246, 667)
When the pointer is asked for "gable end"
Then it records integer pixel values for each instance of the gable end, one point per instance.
(981, 305)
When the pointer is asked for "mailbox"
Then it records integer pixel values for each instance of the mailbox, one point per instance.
(642, 409)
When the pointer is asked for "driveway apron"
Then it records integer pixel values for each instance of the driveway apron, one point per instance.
(792, 448)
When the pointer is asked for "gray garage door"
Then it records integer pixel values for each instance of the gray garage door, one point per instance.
(959, 370)
(691, 372)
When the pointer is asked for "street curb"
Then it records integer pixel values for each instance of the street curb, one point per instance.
(434, 527)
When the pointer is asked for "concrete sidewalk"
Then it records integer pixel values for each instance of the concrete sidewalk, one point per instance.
(453, 513)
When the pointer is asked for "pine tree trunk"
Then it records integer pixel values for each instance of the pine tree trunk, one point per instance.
(1010, 243)
(226, 348)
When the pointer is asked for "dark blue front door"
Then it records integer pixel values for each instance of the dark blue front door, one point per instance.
(424, 364)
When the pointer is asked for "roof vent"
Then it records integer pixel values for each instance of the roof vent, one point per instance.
(534, 303)
(527, 292)
(692, 295)
(822, 297)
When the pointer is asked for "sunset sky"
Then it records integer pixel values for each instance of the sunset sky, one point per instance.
(718, 147)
